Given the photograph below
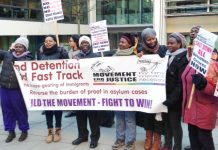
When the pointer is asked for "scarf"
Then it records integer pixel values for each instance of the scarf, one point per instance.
(153, 50)
(24, 54)
(124, 52)
(48, 51)
(174, 54)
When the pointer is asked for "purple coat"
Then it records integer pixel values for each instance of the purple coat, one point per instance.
(204, 105)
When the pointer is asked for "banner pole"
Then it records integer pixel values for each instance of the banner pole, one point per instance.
(56, 32)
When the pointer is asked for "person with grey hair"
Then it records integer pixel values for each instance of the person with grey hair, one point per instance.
(176, 64)
(153, 125)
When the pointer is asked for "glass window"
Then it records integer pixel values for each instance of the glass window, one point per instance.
(147, 11)
(34, 4)
(19, 3)
(66, 6)
(190, 7)
(214, 1)
(5, 2)
(35, 14)
(106, 10)
(5, 12)
(122, 12)
(20, 13)
(125, 11)
(82, 11)
(134, 12)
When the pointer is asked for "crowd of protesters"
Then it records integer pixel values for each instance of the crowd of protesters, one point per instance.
(200, 117)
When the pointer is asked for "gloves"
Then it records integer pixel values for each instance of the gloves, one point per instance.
(200, 81)
(158, 117)
(168, 103)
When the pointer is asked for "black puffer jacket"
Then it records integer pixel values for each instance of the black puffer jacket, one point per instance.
(8, 77)
(59, 53)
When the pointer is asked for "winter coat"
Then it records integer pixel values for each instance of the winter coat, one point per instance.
(174, 82)
(8, 77)
(60, 53)
(90, 54)
(147, 120)
(204, 107)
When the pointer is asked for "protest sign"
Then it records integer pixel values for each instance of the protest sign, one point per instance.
(99, 36)
(203, 48)
(52, 10)
(113, 83)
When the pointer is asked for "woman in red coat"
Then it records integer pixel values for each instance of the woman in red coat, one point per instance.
(201, 116)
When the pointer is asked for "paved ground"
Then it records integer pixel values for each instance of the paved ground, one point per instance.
(38, 132)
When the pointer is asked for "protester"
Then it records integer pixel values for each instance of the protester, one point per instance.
(176, 65)
(153, 125)
(12, 102)
(201, 116)
(51, 51)
(74, 50)
(82, 116)
(193, 34)
(74, 45)
(125, 120)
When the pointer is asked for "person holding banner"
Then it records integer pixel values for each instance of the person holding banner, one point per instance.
(201, 116)
(152, 123)
(12, 102)
(176, 64)
(51, 51)
(81, 115)
(125, 120)
(74, 45)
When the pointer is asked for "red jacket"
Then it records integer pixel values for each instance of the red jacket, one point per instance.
(204, 107)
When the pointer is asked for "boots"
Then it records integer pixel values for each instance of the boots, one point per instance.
(57, 136)
(148, 140)
(50, 135)
(23, 136)
(157, 141)
(10, 137)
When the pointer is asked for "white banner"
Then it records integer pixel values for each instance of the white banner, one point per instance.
(99, 36)
(203, 48)
(52, 10)
(109, 83)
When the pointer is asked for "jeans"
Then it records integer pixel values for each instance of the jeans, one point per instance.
(49, 118)
(125, 125)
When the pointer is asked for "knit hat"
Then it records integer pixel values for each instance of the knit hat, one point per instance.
(22, 40)
(129, 38)
(85, 38)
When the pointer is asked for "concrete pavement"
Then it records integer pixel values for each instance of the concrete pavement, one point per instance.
(38, 133)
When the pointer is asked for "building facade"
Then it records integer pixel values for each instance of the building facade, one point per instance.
(24, 17)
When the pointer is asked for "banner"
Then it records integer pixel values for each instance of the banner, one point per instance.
(124, 83)
(203, 48)
(99, 36)
(52, 10)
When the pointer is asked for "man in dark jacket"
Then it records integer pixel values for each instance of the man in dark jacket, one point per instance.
(82, 116)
